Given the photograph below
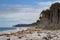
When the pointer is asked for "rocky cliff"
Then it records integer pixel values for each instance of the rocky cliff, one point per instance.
(51, 16)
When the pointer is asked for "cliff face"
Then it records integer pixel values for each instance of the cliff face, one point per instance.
(51, 16)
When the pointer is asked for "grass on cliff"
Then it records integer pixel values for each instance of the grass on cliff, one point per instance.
(52, 27)
(49, 27)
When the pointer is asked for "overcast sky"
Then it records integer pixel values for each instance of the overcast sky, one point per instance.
(22, 11)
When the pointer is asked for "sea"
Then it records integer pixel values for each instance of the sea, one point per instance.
(7, 28)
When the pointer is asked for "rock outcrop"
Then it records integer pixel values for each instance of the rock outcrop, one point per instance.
(51, 16)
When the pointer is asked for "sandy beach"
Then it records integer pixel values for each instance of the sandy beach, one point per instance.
(30, 34)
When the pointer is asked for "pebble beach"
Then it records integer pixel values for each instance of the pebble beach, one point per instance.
(30, 34)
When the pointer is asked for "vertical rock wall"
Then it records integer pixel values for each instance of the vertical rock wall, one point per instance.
(51, 16)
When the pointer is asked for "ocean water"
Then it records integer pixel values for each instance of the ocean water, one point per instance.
(6, 28)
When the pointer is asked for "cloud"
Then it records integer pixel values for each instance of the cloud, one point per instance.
(22, 13)
(47, 4)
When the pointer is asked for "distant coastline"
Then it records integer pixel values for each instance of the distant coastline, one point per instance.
(23, 25)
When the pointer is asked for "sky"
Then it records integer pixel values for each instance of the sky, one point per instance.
(14, 12)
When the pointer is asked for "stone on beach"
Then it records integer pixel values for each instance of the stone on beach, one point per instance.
(32, 34)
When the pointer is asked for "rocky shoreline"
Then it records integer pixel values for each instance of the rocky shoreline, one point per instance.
(32, 34)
